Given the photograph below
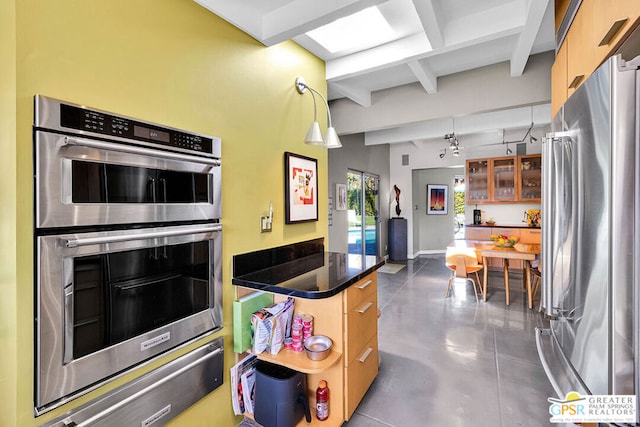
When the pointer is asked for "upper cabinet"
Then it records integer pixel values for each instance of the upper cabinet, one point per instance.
(529, 188)
(504, 180)
(597, 30)
(477, 181)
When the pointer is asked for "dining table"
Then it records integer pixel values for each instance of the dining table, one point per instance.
(526, 252)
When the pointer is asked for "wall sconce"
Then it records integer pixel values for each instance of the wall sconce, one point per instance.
(314, 135)
(509, 152)
(444, 152)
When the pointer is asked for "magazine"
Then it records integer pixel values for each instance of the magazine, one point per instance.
(248, 381)
(244, 367)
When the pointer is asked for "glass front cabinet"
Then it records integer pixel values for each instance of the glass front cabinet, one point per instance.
(530, 182)
(477, 181)
(513, 179)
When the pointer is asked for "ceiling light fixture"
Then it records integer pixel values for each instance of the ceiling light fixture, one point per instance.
(314, 135)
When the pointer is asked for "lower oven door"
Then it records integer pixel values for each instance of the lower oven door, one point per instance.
(107, 301)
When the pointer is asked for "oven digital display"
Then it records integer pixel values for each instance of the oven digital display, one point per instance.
(152, 134)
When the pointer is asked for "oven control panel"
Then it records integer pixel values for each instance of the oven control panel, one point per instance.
(107, 124)
(64, 116)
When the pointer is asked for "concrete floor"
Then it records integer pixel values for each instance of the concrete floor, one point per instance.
(452, 361)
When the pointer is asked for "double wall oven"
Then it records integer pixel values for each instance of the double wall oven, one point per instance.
(128, 243)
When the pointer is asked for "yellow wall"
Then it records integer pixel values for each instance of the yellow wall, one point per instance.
(171, 62)
(7, 214)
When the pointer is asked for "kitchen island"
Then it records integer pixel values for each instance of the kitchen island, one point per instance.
(340, 291)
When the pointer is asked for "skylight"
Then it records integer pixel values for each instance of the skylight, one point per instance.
(358, 31)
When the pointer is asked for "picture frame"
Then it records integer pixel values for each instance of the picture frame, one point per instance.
(341, 197)
(301, 188)
(437, 199)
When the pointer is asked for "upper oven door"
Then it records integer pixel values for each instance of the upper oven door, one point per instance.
(84, 182)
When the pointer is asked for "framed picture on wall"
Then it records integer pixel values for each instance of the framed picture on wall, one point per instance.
(301, 188)
(341, 197)
(437, 198)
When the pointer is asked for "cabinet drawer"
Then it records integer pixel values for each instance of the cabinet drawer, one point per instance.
(530, 236)
(361, 324)
(360, 374)
(477, 233)
(361, 291)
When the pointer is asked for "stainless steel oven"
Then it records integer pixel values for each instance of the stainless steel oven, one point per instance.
(98, 168)
(128, 245)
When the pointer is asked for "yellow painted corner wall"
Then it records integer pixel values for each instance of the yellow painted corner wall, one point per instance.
(171, 62)
(8, 325)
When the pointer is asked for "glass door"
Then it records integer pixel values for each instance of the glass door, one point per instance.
(363, 208)
(458, 207)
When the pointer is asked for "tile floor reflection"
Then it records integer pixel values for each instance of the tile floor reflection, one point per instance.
(452, 361)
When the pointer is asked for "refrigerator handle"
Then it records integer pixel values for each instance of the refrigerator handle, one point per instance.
(549, 201)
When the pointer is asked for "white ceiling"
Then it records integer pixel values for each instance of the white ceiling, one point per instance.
(433, 38)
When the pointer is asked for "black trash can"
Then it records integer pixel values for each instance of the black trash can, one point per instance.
(281, 396)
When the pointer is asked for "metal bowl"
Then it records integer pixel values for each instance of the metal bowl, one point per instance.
(317, 347)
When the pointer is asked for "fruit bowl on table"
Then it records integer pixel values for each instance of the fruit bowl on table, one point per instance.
(503, 241)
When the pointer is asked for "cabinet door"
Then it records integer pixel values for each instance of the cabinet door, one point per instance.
(580, 49)
(477, 233)
(530, 178)
(503, 179)
(477, 181)
(612, 19)
(532, 236)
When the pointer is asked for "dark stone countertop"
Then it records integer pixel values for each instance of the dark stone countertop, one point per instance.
(503, 226)
(302, 274)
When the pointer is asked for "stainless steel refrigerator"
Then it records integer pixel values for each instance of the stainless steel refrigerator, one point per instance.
(590, 236)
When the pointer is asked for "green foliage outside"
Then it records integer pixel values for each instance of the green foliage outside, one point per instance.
(458, 202)
(354, 186)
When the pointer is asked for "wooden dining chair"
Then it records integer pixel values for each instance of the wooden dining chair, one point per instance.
(463, 262)
(536, 280)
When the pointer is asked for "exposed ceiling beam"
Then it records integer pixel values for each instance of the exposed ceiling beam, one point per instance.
(300, 16)
(410, 48)
(514, 118)
(377, 58)
(534, 14)
(430, 22)
(425, 75)
(357, 95)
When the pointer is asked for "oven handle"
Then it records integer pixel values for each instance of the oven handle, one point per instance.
(73, 243)
(103, 145)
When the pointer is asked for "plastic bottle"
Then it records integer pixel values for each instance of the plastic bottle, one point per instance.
(322, 401)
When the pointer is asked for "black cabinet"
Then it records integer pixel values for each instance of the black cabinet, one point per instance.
(397, 239)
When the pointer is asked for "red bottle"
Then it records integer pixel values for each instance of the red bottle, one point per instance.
(322, 401)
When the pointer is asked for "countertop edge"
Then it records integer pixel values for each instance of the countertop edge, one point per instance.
(239, 281)
(532, 227)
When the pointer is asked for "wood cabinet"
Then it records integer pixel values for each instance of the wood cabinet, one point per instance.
(350, 319)
(529, 184)
(612, 21)
(597, 30)
(580, 47)
(477, 181)
(504, 180)
(361, 341)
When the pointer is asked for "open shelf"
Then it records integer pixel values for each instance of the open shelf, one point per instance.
(299, 361)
